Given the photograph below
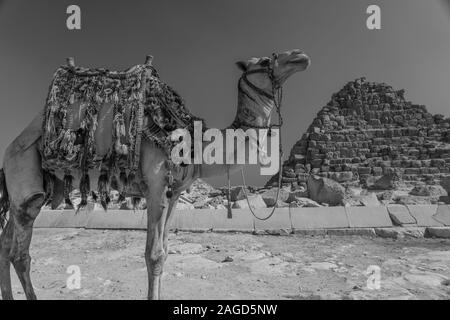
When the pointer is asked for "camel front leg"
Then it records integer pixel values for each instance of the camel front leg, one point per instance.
(169, 217)
(159, 214)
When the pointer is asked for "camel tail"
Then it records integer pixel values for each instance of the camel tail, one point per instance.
(4, 199)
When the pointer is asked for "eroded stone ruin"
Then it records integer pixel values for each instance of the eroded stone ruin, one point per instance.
(368, 130)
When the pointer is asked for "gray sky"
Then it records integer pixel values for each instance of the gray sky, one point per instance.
(196, 42)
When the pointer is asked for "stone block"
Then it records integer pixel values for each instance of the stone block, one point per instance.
(270, 196)
(47, 219)
(400, 232)
(368, 217)
(117, 219)
(438, 232)
(280, 219)
(443, 214)
(367, 232)
(400, 215)
(62, 219)
(242, 220)
(310, 232)
(199, 220)
(423, 215)
(319, 218)
(364, 170)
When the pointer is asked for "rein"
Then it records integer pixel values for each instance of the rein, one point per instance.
(276, 96)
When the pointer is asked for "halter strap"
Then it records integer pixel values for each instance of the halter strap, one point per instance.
(255, 88)
(276, 88)
(276, 97)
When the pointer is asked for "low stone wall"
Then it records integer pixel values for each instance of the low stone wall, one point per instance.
(382, 221)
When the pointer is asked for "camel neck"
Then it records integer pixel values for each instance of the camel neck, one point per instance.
(253, 110)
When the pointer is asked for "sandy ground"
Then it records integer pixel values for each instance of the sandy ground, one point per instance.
(239, 266)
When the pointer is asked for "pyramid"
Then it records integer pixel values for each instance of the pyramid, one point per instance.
(369, 130)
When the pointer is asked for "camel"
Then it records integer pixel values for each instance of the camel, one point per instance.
(24, 189)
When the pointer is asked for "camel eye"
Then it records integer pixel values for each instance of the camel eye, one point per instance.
(265, 63)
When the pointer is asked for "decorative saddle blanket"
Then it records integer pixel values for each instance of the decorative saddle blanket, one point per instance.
(96, 118)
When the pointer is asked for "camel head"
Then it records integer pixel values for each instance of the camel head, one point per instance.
(267, 73)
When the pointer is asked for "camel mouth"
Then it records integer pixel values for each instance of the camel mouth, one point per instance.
(300, 60)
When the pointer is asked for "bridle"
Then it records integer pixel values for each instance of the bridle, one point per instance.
(276, 95)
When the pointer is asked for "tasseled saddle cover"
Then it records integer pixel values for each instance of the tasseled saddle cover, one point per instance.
(86, 107)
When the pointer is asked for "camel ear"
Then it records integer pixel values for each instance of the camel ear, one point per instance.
(148, 60)
(242, 65)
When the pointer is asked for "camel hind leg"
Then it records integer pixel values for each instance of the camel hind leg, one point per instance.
(25, 186)
(15, 246)
(6, 240)
(24, 216)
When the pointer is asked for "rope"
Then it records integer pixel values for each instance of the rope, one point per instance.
(230, 212)
(277, 95)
